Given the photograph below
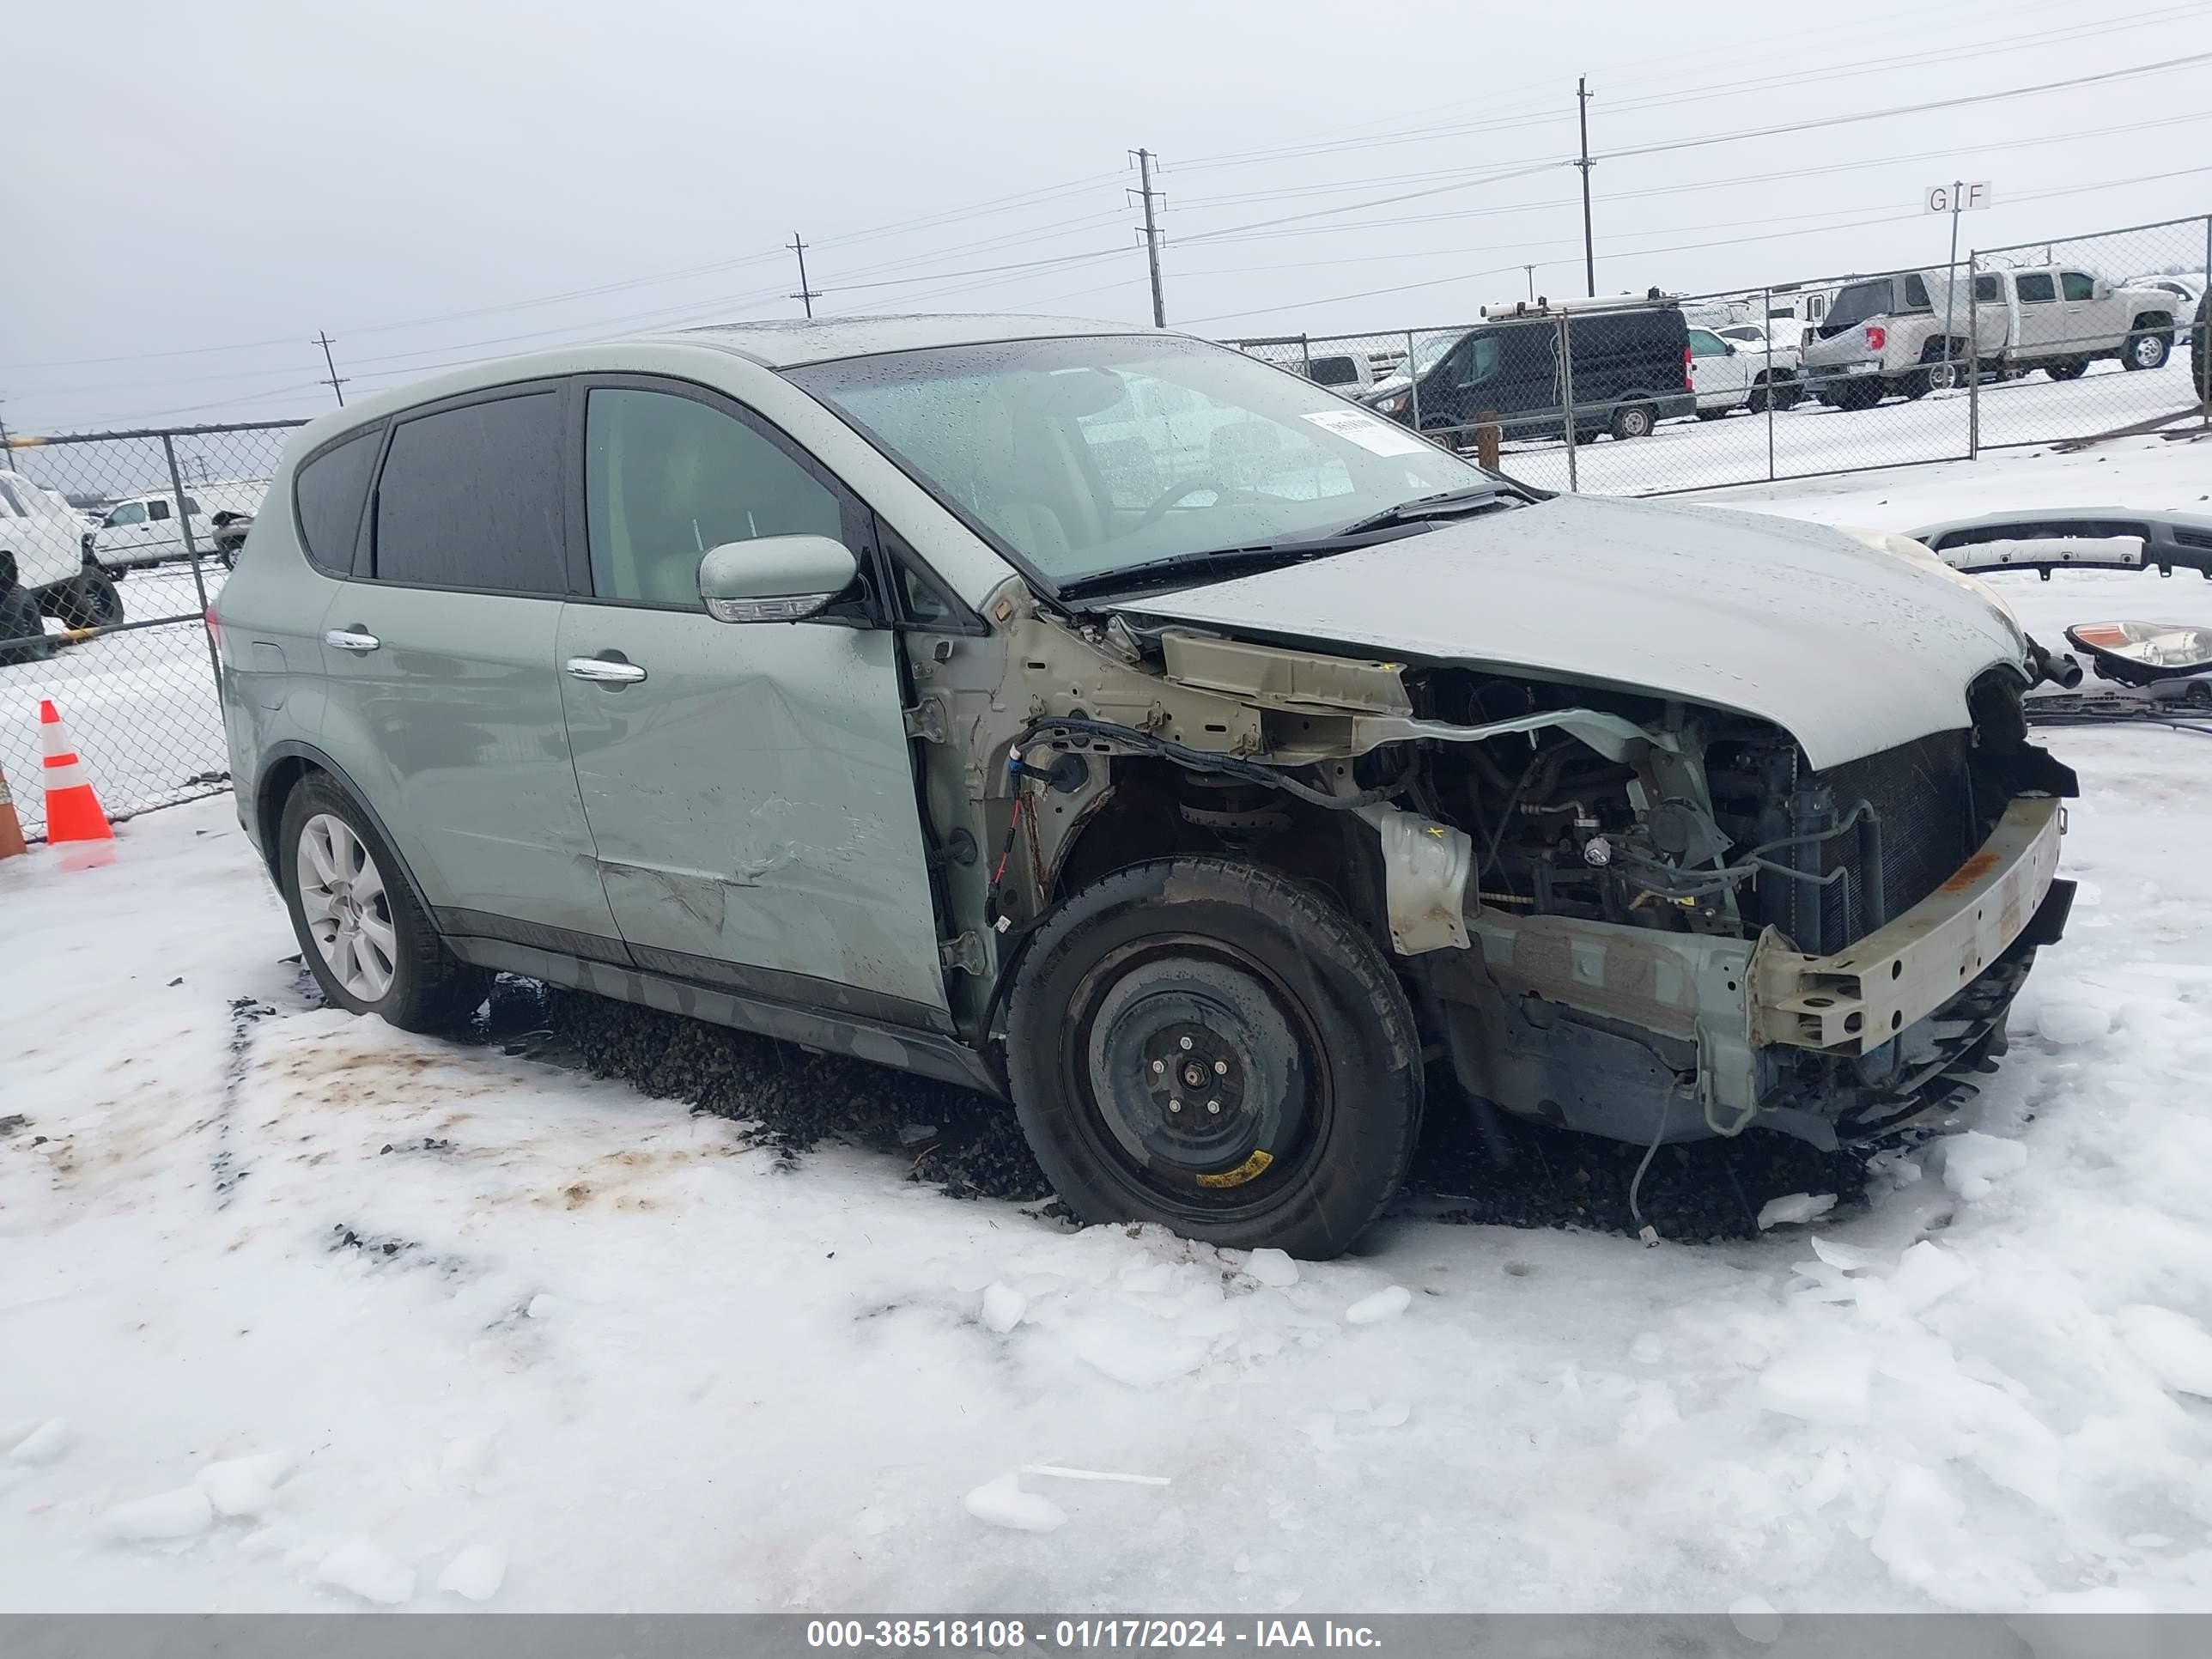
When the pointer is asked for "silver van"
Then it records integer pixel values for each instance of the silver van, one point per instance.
(1117, 725)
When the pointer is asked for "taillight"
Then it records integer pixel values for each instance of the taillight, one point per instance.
(1877, 337)
(215, 630)
(1688, 357)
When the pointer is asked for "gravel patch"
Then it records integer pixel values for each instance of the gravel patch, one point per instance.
(1472, 1169)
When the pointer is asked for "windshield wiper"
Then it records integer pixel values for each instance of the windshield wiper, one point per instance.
(1427, 507)
(1220, 560)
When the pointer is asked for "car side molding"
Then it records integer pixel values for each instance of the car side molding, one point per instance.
(925, 1052)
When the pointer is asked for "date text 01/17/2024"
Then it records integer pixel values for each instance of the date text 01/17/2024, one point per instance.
(1012, 1635)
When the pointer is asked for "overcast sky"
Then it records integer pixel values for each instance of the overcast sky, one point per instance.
(193, 190)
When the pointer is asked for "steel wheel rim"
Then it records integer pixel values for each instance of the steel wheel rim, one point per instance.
(347, 910)
(1278, 1105)
(2148, 350)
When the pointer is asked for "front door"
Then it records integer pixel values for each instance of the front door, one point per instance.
(443, 701)
(748, 785)
(2095, 324)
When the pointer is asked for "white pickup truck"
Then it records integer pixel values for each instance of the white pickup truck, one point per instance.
(1907, 332)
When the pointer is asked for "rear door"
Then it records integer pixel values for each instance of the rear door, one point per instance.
(2044, 330)
(748, 785)
(444, 703)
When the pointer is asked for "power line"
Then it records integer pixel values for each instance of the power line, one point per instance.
(1704, 91)
(1846, 223)
(1871, 163)
(1962, 101)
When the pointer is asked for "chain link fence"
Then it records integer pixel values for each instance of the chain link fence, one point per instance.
(1801, 378)
(112, 546)
(2089, 335)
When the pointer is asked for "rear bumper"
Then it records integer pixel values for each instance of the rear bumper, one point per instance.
(1818, 374)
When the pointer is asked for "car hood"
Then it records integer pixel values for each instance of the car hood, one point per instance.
(1850, 649)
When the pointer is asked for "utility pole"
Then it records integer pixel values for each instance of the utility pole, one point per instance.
(323, 339)
(1581, 114)
(1152, 235)
(805, 294)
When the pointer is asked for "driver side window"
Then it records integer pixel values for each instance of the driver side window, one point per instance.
(667, 478)
(1477, 360)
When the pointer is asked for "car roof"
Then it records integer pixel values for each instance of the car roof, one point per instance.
(775, 345)
(788, 343)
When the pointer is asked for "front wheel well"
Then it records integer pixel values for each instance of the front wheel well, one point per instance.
(2153, 320)
(1159, 810)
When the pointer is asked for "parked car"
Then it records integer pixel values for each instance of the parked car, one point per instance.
(901, 687)
(143, 530)
(1739, 367)
(1629, 357)
(1908, 331)
(2188, 287)
(1347, 371)
(48, 571)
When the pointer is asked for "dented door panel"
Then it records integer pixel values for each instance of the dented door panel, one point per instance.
(753, 805)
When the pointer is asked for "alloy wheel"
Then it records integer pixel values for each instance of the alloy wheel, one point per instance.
(349, 912)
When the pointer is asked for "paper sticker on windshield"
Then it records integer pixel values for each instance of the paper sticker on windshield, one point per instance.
(1371, 432)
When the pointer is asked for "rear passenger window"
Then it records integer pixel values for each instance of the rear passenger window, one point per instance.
(329, 494)
(471, 498)
(2035, 287)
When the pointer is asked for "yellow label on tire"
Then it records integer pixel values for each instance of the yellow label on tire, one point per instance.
(1250, 1169)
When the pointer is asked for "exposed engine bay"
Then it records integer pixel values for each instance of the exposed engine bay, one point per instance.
(1621, 913)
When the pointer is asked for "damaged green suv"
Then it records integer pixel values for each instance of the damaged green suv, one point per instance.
(1128, 728)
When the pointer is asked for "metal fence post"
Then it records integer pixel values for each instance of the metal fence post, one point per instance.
(1412, 386)
(1567, 403)
(1766, 333)
(2203, 341)
(1973, 357)
(1305, 353)
(191, 552)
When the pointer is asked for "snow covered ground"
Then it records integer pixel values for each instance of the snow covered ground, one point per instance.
(300, 1312)
(139, 704)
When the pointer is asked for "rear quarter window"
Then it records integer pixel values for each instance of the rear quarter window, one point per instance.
(327, 497)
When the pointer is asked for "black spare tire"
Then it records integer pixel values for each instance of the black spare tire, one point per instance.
(1213, 1047)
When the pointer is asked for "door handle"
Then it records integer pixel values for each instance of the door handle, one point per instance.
(352, 639)
(602, 671)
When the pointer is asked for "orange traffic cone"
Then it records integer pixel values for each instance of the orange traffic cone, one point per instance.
(72, 809)
(11, 827)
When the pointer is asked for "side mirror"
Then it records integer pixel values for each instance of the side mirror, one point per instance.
(774, 578)
(2101, 289)
(1730, 348)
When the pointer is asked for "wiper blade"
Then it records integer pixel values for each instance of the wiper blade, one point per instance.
(1289, 550)
(1427, 506)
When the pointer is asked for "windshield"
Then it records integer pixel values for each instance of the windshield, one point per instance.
(1089, 456)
